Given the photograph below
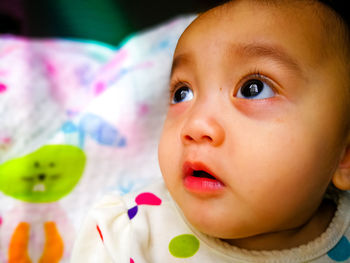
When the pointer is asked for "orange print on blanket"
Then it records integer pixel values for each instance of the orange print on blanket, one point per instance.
(53, 250)
(18, 252)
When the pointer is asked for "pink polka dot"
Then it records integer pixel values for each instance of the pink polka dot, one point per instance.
(147, 199)
(3, 87)
(0, 220)
(131, 260)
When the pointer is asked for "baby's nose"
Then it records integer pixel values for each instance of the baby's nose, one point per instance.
(203, 129)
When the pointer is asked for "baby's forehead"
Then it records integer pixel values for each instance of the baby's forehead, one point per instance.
(308, 22)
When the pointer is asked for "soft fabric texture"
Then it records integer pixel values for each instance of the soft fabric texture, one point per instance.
(78, 119)
(147, 226)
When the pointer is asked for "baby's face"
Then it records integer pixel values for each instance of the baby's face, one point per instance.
(259, 105)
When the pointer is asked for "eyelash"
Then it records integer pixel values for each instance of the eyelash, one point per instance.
(175, 85)
(256, 74)
(252, 74)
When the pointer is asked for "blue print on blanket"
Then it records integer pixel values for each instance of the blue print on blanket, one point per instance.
(97, 128)
(125, 187)
(341, 251)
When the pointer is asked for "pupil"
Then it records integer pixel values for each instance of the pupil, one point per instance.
(252, 88)
(180, 94)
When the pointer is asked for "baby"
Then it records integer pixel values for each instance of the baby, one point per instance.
(255, 147)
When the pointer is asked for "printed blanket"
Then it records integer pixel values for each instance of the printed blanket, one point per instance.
(77, 119)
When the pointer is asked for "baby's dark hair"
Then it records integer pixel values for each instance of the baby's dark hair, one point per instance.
(340, 7)
(341, 11)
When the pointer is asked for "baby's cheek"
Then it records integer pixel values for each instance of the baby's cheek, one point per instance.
(264, 109)
(167, 150)
(176, 110)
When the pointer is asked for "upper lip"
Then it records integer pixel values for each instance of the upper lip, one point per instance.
(189, 167)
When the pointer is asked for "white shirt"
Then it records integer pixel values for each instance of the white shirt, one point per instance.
(149, 227)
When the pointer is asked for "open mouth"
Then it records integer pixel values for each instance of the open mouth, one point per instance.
(202, 174)
(199, 179)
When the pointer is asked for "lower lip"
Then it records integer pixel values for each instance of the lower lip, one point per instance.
(202, 185)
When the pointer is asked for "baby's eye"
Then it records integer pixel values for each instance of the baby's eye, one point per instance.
(255, 89)
(182, 94)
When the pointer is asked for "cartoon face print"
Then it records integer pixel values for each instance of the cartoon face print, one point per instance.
(45, 175)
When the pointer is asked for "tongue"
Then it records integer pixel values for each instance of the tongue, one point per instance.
(203, 174)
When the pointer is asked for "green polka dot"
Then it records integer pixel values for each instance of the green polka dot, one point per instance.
(184, 246)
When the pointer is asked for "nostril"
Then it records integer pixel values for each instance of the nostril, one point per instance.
(188, 138)
(41, 177)
(207, 138)
(204, 138)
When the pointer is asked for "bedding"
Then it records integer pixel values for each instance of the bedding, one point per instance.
(78, 119)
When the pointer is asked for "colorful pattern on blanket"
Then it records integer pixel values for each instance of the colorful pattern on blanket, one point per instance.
(78, 119)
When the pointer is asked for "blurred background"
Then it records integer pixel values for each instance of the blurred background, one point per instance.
(108, 21)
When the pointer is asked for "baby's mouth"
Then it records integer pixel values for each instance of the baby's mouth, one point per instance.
(200, 180)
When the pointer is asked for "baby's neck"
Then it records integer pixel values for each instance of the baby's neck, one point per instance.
(312, 229)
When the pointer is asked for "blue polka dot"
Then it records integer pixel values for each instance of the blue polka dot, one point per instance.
(341, 251)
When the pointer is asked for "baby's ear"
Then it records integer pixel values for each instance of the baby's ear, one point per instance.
(341, 178)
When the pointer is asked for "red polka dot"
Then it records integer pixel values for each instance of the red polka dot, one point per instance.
(131, 260)
(99, 231)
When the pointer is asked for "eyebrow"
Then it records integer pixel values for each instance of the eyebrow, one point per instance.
(184, 58)
(250, 50)
(274, 52)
